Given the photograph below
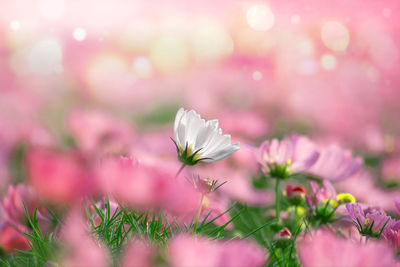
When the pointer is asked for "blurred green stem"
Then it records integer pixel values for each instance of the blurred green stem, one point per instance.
(277, 200)
(198, 213)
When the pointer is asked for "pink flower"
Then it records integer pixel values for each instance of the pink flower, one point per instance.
(292, 155)
(99, 133)
(58, 177)
(12, 238)
(326, 249)
(321, 194)
(81, 248)
(144, 186)
(335, 164)
(370, 222)
(393, 237)
(138, 254)
(13, 203)
(186, 250)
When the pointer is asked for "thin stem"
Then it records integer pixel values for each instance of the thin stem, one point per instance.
(198, 213)
(180, 170)
(277, 200)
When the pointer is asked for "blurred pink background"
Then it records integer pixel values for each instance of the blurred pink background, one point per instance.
(325, 68)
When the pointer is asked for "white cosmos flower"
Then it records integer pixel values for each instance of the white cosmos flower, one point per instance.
(197, 140)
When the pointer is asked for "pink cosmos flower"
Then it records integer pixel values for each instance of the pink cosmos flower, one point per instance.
(292, 155)
(370, 222)
(326, 249)
(186, 250)
(321, 194)
(12, 234)
(58, 177)
(335, 164)
(13, 203)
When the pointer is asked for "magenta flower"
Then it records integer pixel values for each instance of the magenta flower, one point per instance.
(292, 155)
(335, 164)
(369, 222)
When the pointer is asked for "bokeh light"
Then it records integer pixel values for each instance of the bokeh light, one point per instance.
(260, 17)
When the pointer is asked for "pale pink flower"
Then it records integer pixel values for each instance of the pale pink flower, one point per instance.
(325, 249)
(335, 164)
(292, 155)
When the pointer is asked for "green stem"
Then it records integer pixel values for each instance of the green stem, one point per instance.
(277, 200)
(198, 214)
(180, 170)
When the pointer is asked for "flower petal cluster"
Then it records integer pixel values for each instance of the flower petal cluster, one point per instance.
(199, 140)
(292, 155)
(369, 222)
(335, 164)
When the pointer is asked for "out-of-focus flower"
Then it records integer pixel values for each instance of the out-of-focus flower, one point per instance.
(283, 236)
(98, 133)
(13, 202)
(321, 195)
(369, 222)
(205, 185)
(335, 164)
(12, 238)
(144, 186)
(362, 186)
(59, 177)
(187, 251)
(137, 254)
(292, 155)
(296, 195)
(81, 249)
(197, 140)
(393, 237)
(391, 169)
(324, 202)
(326, 249)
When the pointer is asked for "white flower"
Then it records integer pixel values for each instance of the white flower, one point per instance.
(197, 140)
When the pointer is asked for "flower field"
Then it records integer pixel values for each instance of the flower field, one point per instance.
(187, 133)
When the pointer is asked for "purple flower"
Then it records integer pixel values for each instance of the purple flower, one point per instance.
(371, 221)
(292, 155)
